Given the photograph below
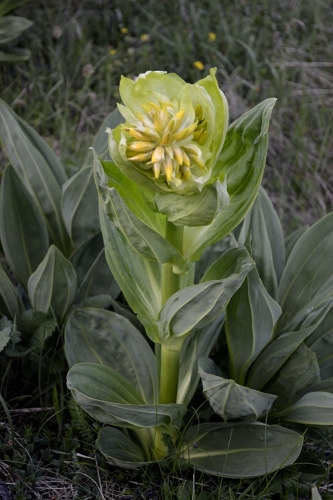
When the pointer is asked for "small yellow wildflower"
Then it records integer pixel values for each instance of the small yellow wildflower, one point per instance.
(145, 37)
(124, 30)
(113, 52)
(211, 36)
(199, 65)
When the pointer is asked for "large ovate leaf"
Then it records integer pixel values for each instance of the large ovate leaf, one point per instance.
(267, 241)
(243, 158)
(240, 450)
(199, 209)
(80, 206)
(110, 398)
(314, 409)
(230, 400)
(93, 273)
(11, 27)
(104, 337)
(144, 240)
(23, 232)
(300, 371)
(10, 300)
(196, 306)
(250, 318)
(53, 285)
(37, 176)
(139, 279)
(305, 274)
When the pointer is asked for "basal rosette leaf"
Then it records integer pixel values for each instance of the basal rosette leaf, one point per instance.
(238, 449)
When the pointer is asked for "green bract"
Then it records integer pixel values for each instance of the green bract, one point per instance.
(173, 134)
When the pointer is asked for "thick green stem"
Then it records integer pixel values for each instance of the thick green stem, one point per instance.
(169, 375)
(169, 360)
(170, 280)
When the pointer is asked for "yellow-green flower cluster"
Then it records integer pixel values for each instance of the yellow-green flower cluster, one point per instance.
(173, 132)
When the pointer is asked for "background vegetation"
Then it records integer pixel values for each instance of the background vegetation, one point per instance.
(79, 50)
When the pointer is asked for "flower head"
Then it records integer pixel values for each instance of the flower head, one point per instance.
(173, 132)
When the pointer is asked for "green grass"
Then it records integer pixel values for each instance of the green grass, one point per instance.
(79, 51)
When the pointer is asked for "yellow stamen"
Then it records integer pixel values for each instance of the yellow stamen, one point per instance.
(158, 155)
(141, 157)
(142, 146)
(186, 132)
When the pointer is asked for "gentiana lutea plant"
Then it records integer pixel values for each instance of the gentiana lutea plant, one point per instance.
(179, 183)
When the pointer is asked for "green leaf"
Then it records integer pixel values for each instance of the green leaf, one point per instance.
(137, 199)
(232, 261)
(11, 27)
(273, 357)
(33, 170)
(305, 274)
(196, 306)
(10, 301)
(53, 285)
(321, 343)
(97, 302)
(80, 206)
(195, 346)
(36, 326)
(199, 209)
(9, 5)
(119, 449)
(300, 371)
(250, 318)
(243, 158)
(48, 154)
(17, 55)
(230, 400)
(144, 240)
(139, 279)
(110, 398)
(292, 239)
(267, 241)
(23, 232)
(212, 253)
(240, 450)
(93, 273)
(4, 335)
(314, 409)
(104, 337)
